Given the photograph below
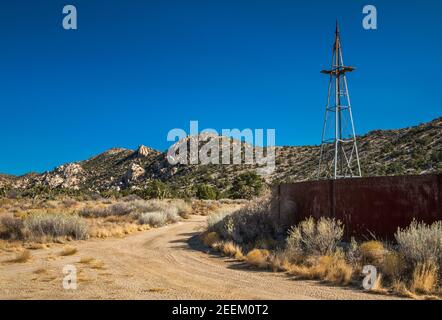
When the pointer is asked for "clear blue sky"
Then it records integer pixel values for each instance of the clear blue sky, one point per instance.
(136, 69)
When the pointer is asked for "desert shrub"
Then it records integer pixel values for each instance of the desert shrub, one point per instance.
(315, 238)
(68, 202)
(149, 205)
(213, 219)
(153, 218)
(155, 190)
(210, 238)
(56, 225)
(183, 208)
(131, 198)
(95, 212)
(121, 208)
(372, 252)
(206, 192)
(421, 243)
(11, 228)
(258, 258)
(247, 186)
(278, 261)
(353, 252)
(248, 224)
(171, 214)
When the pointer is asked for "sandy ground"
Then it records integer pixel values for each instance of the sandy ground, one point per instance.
(164, 263)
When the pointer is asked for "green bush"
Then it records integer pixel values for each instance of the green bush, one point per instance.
(206, 192)
(155, 190)
(247, 186)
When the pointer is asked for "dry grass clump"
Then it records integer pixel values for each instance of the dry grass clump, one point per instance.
(105, 229)
(258, 258)
(279, 261)
(68, 251)
(372, 252)
(22, 257)
(86, 260)
(401, 289)
(56, 225)
(329, 268)
(69, 203)
(425, 278)
(36, 246)
(392, 265)
(231, 250)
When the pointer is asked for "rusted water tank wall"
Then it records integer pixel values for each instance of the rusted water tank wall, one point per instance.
(367, 206)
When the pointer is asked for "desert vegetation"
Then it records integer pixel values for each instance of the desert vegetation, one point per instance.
(33, 222)
(410, 266)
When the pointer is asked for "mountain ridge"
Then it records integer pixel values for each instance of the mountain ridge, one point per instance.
(412, 150)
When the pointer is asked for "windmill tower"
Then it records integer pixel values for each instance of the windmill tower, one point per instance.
(339, 156)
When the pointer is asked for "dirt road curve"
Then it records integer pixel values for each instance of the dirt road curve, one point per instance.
(164, 263)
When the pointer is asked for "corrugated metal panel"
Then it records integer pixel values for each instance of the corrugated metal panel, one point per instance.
(367, 206)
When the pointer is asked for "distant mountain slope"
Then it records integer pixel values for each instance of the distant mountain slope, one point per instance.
(415, 150)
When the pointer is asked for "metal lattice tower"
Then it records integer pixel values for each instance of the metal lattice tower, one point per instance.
(339, 156)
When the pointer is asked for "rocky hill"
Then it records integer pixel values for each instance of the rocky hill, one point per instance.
(415, 150)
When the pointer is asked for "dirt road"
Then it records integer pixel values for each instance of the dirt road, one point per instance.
(164, 263)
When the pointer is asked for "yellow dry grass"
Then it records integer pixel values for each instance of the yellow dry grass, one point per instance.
(425, 278)
(68, 251)
(279, 262)
(258, 258)
(372, 251)
(157, 290)
(86, 260)
(22, 257)
(232, 250)
(330, 268)
(392, 265)
(106, 229)
(36, 246)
